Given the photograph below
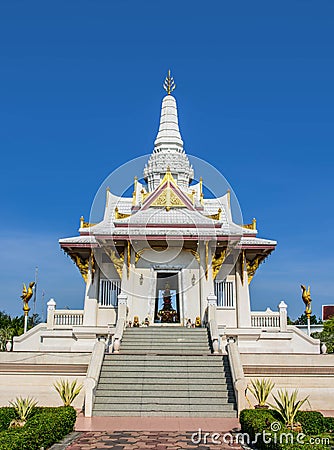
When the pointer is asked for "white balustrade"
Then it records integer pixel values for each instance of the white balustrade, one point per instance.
(109, 291)
(266, 319)
(65, 317)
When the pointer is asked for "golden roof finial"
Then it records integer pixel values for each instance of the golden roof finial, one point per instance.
(169, 84)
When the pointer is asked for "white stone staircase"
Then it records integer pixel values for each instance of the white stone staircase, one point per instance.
(165, 371)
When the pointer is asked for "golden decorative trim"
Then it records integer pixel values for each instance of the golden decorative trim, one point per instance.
(168, 198)
(250, 226)
(134, 194)
(201, 190)
(84, 224)
(217, 262)
(169, 84)
(119, 215)
(215, 216)
(82, 264)
(116, 260)
(92, 264)
(252, 267)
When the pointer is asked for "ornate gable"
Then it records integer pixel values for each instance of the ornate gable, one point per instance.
(168, 195)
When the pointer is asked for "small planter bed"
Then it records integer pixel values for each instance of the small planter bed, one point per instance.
(43, 428)
(312, 430)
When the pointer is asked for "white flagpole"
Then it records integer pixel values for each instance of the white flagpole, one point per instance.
(35, 296)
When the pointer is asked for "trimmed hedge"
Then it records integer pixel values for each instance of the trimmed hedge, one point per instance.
(312, 422)
(45, 427)
(7, 414)
(329, 424)
(255, 421)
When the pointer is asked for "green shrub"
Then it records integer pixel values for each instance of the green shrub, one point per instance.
(255, 421)
(7, 414)
(312, 422)
(329, 424)
(45, 427)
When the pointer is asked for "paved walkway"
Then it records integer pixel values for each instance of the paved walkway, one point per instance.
(161, 433)
(149, 440)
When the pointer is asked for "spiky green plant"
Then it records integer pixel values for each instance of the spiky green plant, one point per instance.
(67, 391)
(287, 405)
(261, 390)
(23, 408)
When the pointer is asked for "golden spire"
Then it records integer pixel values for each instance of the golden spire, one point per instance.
(169, 84)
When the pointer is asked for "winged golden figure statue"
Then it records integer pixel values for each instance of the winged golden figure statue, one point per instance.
(306, 296)
(27, 293)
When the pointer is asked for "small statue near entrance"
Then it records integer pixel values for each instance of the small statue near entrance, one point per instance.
(167, 314)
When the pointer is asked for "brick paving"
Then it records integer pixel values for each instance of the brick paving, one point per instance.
(131, 440)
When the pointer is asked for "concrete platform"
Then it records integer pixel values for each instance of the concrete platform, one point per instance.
(180, 424)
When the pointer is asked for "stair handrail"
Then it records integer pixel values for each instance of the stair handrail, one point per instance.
(238, 376)
(214, 334)
(92, 376)
(121, 321)
(212, 322)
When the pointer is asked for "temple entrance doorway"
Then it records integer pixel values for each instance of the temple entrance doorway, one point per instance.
(167, 302)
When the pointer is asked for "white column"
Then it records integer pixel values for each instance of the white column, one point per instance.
(212, 307)
(206, 282)
(243, 299)
(51, 304)
(91, 300)
(283, 316)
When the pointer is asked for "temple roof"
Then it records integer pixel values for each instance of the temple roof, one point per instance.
(167, 205)
(168, 150)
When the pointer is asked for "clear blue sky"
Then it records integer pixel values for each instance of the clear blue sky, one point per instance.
(80, 94)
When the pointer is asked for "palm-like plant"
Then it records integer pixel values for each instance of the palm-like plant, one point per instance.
(23, 408)
(67, 391)
(261, 390)
(288, 406)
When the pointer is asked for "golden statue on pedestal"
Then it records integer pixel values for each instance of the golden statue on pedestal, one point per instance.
(26, 296)
(306, 296)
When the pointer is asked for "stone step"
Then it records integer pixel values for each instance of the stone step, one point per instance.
(147, 387)
(204, 414)
(143, 362)
(172, 359)
(168, 371)
(168, 394)
(154, 377)
(165, 368)
(165, 328)
(163, 348)
(164, 407)
(168, 342)
(163, 382)
(166, 332)
(110, 400)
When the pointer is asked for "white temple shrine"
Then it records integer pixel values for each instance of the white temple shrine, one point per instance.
(167, 326)
(168, 235)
